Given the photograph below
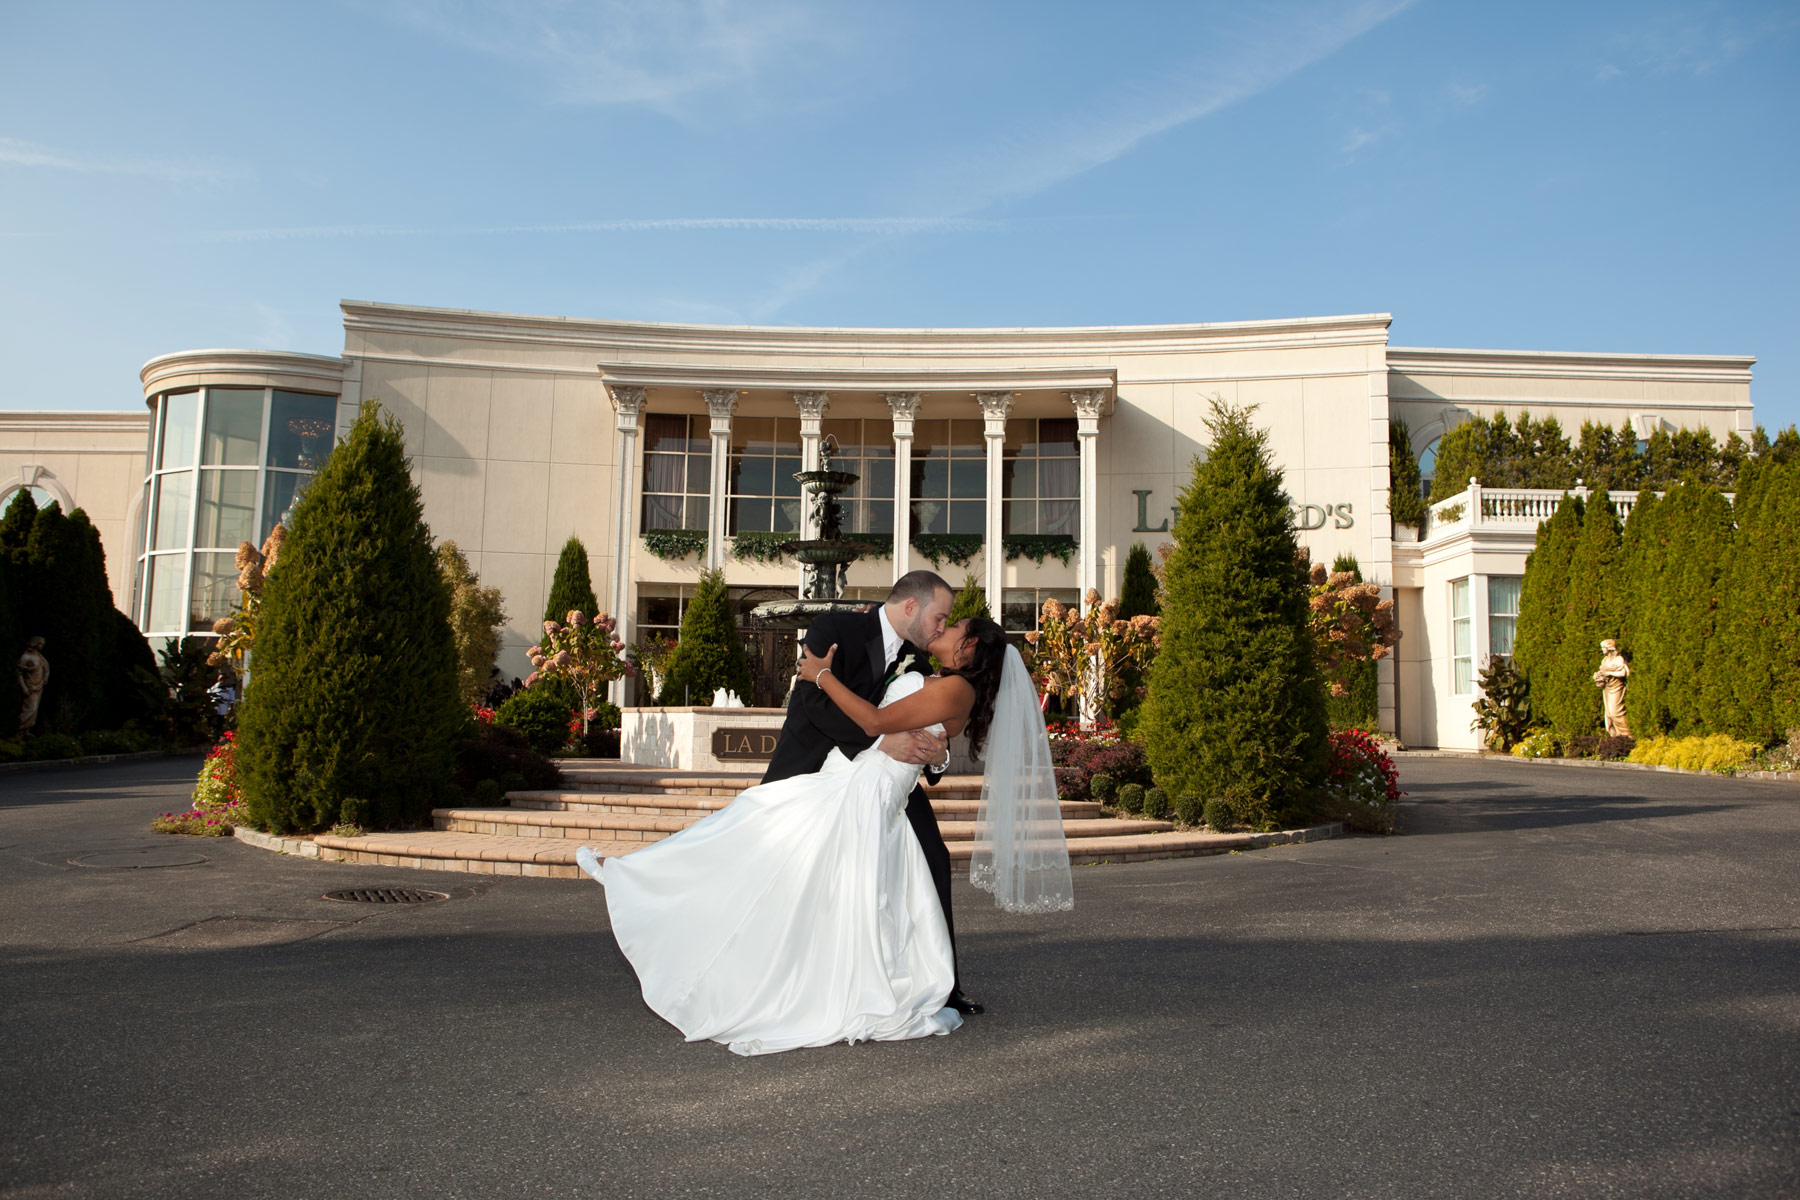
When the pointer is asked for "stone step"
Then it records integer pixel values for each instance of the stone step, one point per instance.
(653, 826)
(655, 804)
(597, 775)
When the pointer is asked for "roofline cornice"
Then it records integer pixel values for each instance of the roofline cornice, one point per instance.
(858, 379)
(1557, 364)
(73, 422)
(323, 367)
(652, 336)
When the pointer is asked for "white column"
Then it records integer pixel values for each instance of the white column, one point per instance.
(1087, 417)
(812, 406)
(905, 408)
(628, 403)
(994, 407)
(719, 403)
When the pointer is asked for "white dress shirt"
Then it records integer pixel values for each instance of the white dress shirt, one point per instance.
(891, 641)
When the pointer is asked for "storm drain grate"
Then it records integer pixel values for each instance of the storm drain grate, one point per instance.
(387, 896)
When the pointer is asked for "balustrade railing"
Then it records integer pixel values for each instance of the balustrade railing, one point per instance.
(1510, 508)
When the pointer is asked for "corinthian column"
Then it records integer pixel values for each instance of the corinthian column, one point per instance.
(1087, 419)
(628, 403)
(812, 406)
(994, 407)
(904, 406)
(719, 402)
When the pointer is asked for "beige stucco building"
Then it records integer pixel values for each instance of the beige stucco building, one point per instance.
(526, 430)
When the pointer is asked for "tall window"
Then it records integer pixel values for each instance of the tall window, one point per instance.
(1503, 612)
(1041, 476)
(225, 466)
(949, 477)
(1428, 467)
(765, 496)
(677, 471)
(867, 449)
(1462, 640)
(1021, 609)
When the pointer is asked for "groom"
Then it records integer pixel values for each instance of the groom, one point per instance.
(874, 646)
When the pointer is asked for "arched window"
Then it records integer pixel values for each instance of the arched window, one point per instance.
(41, 496)
(1428, 466)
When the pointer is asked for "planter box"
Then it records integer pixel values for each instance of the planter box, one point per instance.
(721, 739)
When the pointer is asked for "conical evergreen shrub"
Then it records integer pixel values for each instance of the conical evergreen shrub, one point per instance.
(710, 654)
(12, 644)
(1406, 498)
(570, 587)
(1643, 584)
(1700, 534)
(1593, 610)
(1758, 689)
(69, 604)
(1236, 703)
(352, 704)
(971, 600)
(1137, 589)
(1544, 598)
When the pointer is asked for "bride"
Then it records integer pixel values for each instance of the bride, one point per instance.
(803, 913)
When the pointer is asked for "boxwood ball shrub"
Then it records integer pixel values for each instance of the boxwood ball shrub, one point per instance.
(1156, 804)
(541, 714)
(1131, 797)
(1188, 808)
(1102, 787)
(1217, 814)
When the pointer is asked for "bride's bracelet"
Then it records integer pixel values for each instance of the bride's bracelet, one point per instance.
(823, 672)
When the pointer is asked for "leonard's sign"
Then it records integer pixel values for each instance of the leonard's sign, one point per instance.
(1306, 516)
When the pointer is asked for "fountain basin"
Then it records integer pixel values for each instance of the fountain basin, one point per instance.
(798, 614)
(821, 550)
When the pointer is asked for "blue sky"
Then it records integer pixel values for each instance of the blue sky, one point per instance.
(1593, 176)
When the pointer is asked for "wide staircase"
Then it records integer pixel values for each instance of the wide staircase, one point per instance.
(617, 808)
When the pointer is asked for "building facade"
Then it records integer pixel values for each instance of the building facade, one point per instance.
(1031, 458)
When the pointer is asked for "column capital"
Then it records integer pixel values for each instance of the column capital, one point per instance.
(1088, 403)
(627, 401)
(904, 405)
(720, 401)
(995, 406)
(812, 405)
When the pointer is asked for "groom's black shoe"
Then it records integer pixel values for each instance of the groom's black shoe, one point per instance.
(964, 1005)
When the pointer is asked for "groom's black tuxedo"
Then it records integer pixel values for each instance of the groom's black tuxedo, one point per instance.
(814, 725)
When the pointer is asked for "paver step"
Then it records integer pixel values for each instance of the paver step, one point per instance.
(653, 804)
(595, 775)
(653, 826)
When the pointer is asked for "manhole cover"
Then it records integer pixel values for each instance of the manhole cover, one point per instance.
(129, 860)
(387, 895)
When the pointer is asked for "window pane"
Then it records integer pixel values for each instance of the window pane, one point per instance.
(786, 516)
(930, 516)
(174, 497)
(699, 474)
(662, 610)
(785, 483)
(665, 432)
(215, 591)
(280, 493)
(167, 578)
(1503, 595)
(931, 439)
(150, 437)
(300, 430)
(181, 414)
(930, 479)
(664, 473)
(1021, 438)
(1018, 609)
(1464, 671)
(1056, 435)
(1020, 517)
(968, 478)
(968, 438)
(1059, 478)
(1500, 634)
(878, 439)
(753, 435)
(1059, 516)
(662, 512)
(1018, 478)
(1459, 598)
(748, 516)
(233, 427)
(848, 435)
(787, 435)
(877, 478)
(877, 517)
(696, 513)
(968, 516)
(752, 476)
(227, 513)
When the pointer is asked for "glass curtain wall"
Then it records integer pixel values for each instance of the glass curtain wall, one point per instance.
(949, 477)
(226, 465)
(1041, 476)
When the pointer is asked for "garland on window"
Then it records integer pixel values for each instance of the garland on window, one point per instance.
(759, 545)
(1039, 546)
(958, 548)
(874, 545)
(672, 544)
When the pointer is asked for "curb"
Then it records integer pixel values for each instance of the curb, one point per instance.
(92, 760)
(1757, 776)
(303, 847)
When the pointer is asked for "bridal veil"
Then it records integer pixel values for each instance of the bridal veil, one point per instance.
(1020, 853)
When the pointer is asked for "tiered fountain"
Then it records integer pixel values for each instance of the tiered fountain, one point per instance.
(827, 557)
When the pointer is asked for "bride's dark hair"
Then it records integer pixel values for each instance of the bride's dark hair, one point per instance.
(983, 673)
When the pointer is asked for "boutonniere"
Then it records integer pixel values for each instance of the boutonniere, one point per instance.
(900, 668)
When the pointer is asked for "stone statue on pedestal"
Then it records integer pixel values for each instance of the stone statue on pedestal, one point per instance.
(34, 673)
(1610, 679)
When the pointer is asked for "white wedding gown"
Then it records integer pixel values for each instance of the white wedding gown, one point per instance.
(801, 914)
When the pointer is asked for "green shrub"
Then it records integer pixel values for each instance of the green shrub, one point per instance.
(1217, 813)
(607, 715)
(1137, 589)
(497, 752)
(1102, 787)
(1156, 804)
(115, 741)
(1503, 710)
(541, 714)
(352, 701)
(515, 781)
(1131, 797)
(571, 587)
(1718, 752)
(50, 746)
(1539, 743)
(971, 601)
(1406, 498)
(489, 793)
(1188, 809)
(12, 751)
(710, 654)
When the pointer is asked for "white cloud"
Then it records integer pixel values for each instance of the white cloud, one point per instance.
(874, 226)
(1699, 39)
(1466, 95)
(659, 54)
(1356, 139)
(1607, 73)
(28, 154)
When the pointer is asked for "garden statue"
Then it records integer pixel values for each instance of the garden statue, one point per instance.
(1610, 679)
(34, 672)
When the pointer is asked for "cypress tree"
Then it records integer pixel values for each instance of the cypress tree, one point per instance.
(70, 608)
(15, 526)
(1236, 706)
(1543, 597)
(1757, 680)
(710, 654)
(476, 615)
(1462, 455)
(1137, 590)
(12, 645)
(1592, 611)
(570, 587)
(971, 601)
(1406, 499)
(352, 707)
(1692, 636)
(1643, 584)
